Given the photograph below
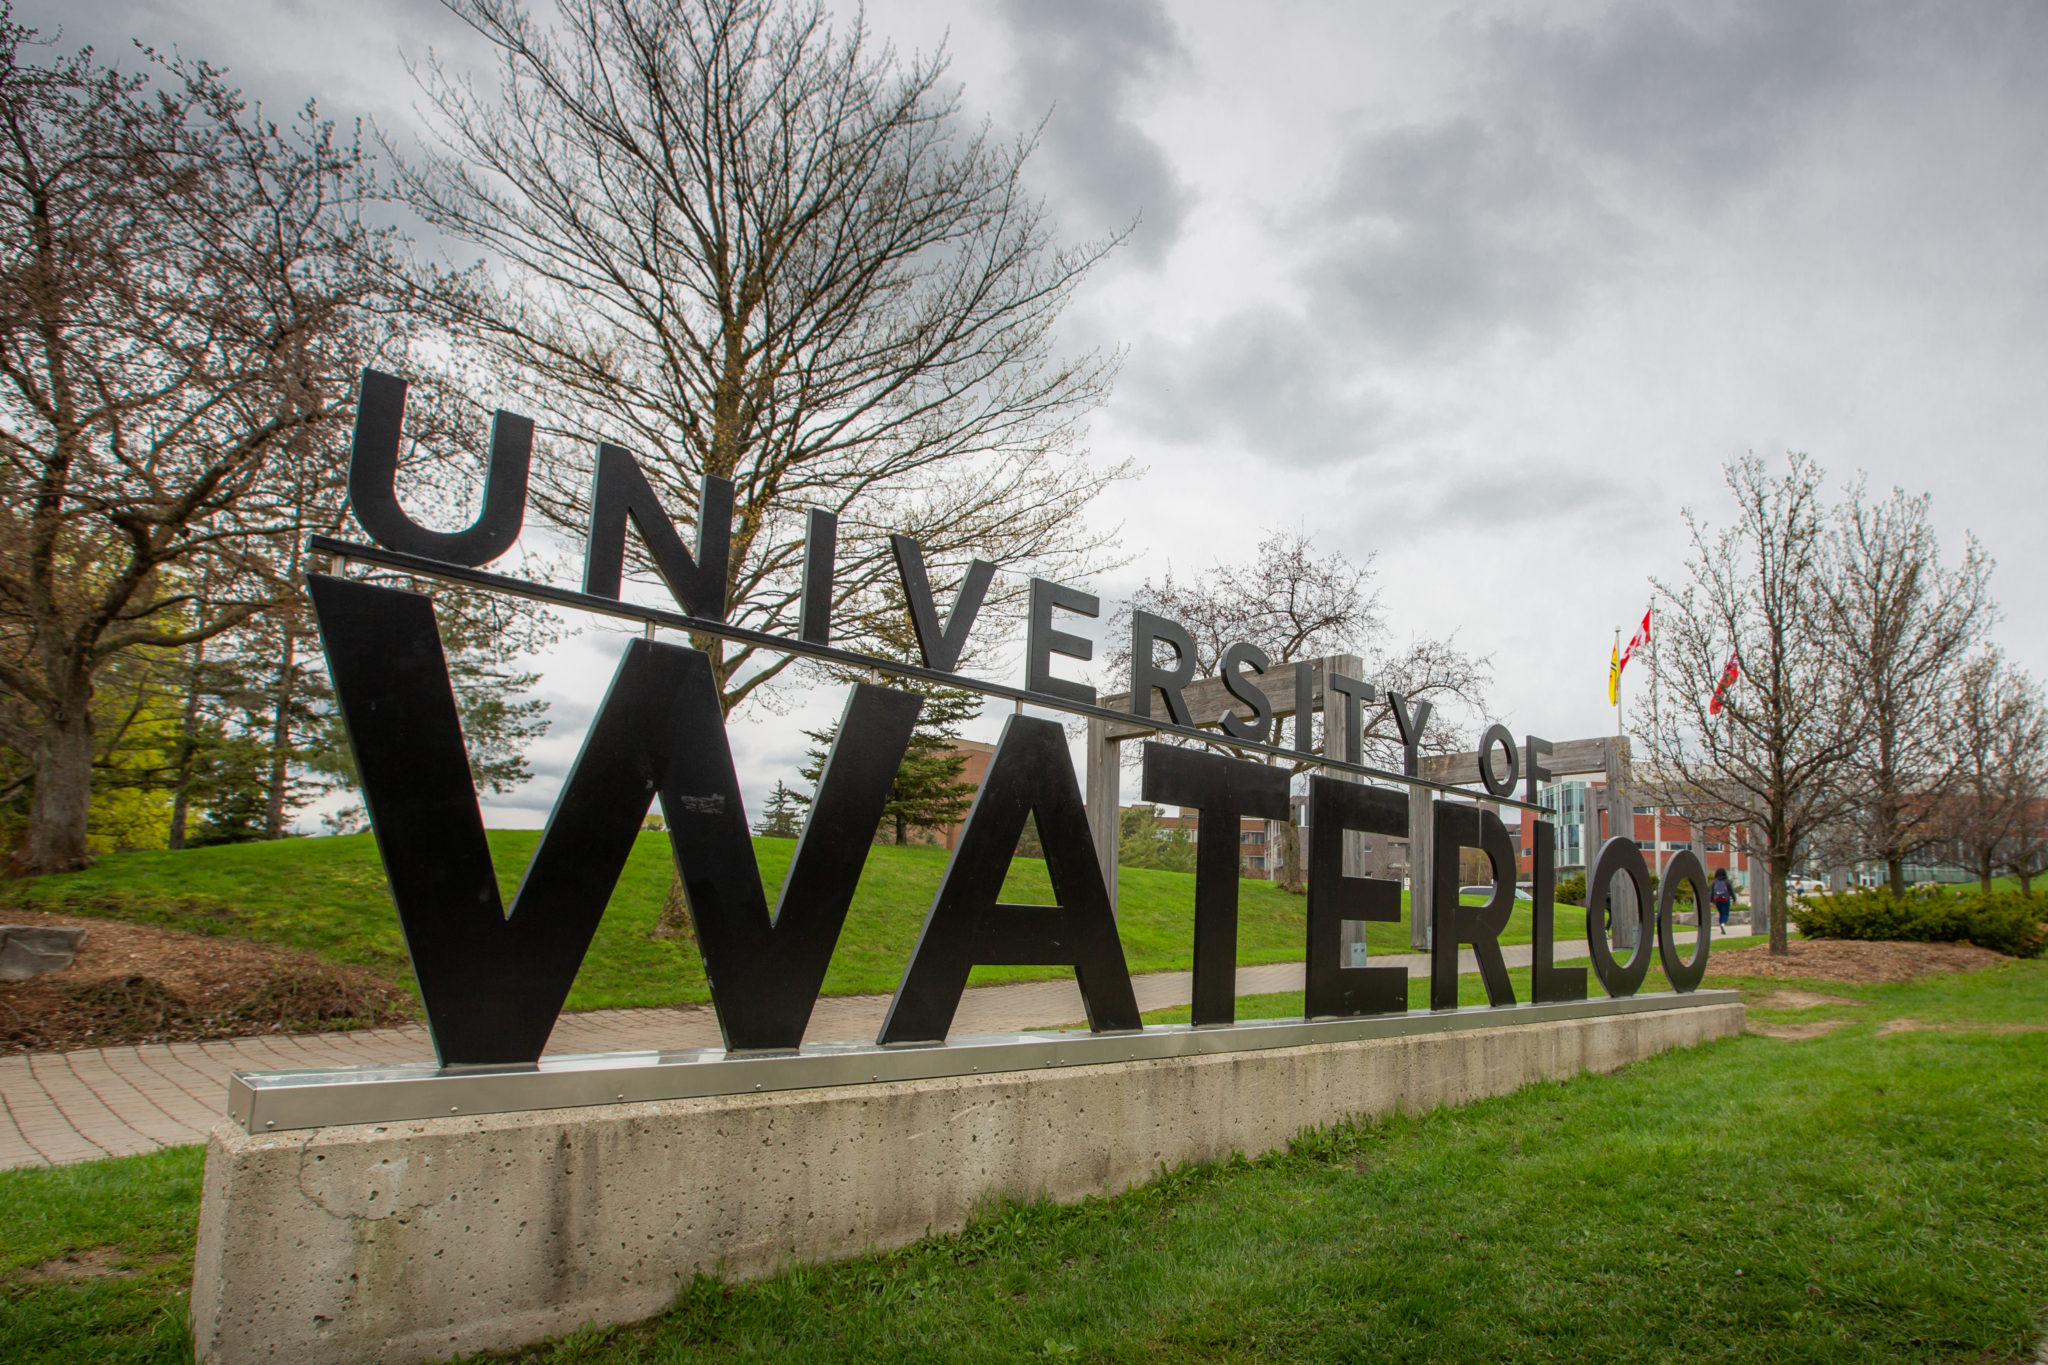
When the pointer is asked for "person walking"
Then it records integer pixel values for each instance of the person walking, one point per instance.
(1721, 893)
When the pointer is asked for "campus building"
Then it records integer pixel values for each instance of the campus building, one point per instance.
(1253, 839)
(1661, 831)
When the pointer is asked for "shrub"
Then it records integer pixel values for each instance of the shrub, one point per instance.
(1682, 896)
(1572, 890)
(2003, 921)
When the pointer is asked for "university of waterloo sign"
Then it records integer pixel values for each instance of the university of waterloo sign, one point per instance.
(494, 977)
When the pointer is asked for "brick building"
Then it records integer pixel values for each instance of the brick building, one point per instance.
(1584, 820)
(1252, 856)
(978, 756)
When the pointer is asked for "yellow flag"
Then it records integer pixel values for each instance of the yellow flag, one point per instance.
(1614, 676)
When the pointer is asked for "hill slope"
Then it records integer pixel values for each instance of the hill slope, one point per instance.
(328, 896)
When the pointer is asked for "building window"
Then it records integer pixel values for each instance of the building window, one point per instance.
(1647, 845)
(1676, 846)
(1646, 810)
(1713, 848)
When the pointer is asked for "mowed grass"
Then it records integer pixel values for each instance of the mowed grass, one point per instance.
(1848, 1198)
(328, 896)
(96, 1259)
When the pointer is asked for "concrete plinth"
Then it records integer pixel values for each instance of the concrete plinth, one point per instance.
(410, 1241)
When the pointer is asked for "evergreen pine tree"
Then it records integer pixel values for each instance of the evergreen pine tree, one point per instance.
(779, 819)
(1143, 842)
(927, 792)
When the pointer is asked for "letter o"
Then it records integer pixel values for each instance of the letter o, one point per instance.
(1618, 856)
(1684, 976)
(1499, 735)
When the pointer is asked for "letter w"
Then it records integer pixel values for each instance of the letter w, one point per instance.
(493, 982)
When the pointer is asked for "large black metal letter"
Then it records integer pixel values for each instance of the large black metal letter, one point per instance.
(1041, 641)
(1235, 658)
(821, 545)
(1335, 988)
(1459, 826)
(1224, 790)
(1548, 982)
(619, 490)
(765, 972)
(1411, 724)
(1146, 629)
(939, 645)
(1033, 774)
(1618, 857)
(1684, 868)
(373, 481)
(1346, 718)
(493, 983)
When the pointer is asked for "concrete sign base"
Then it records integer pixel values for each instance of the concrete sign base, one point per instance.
(414, 1240)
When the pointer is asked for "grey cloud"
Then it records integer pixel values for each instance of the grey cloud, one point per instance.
(1085, 61)
(280, 53)
(1435, 491)
(1432, 240)
(1702, 102)
(1438, 235)
(1263, 379)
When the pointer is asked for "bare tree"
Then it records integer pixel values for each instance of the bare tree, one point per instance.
(739, 244)
(1773, 761)
(2026, 852)
(180, 295)
(1999, 730)
(1906, 624)
(1297, 602)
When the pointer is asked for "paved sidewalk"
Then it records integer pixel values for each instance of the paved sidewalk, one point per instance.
(61, 1107)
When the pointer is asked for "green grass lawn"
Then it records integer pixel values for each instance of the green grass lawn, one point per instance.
(1847, 1198)
(328, 896)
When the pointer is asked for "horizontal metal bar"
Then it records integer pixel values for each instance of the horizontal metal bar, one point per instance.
(673, 620)
(281, 1101)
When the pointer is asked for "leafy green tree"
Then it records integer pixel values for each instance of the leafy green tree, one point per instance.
(185, 300)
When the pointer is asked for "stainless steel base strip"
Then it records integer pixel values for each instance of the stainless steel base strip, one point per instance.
(276, 1101)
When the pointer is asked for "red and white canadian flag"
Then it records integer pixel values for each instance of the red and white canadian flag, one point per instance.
(1728, 677)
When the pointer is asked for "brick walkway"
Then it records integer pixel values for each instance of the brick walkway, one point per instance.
(62, 1107)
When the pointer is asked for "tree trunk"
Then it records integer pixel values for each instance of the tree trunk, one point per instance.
(1781, 873)
(1289, 866)
(901, 831)
(62, 805)
(1895, 869)
(188, 745)
(280, 742)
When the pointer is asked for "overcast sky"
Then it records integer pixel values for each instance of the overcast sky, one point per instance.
(1489, 292)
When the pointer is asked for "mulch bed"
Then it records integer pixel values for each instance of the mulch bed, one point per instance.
(1841, 959)
(134, 983)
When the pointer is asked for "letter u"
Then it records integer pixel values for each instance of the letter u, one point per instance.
(373, 477)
